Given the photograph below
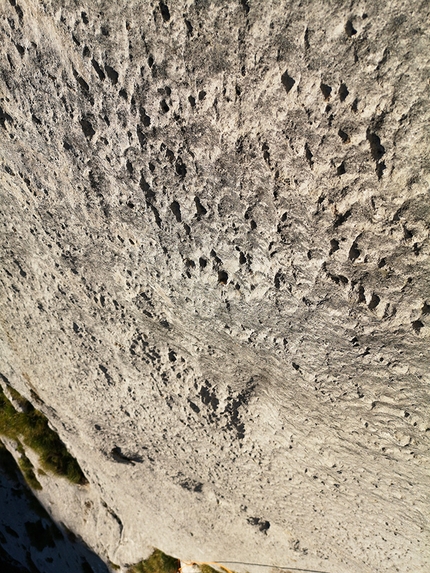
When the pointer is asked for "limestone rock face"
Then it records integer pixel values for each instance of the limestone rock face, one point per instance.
(215, 271)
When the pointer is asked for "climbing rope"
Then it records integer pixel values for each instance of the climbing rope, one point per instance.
(224, 568)
(190, 563)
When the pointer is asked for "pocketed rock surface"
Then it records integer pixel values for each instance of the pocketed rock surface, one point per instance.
(215, 271)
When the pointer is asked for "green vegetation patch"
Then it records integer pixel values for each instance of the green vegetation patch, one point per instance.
(158, 562)
(32, 426)
(27, 469)
(207, 569)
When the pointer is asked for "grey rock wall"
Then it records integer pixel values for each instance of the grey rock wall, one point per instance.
(215, 270)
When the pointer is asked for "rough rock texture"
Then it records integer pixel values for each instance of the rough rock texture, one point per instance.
(215, 270)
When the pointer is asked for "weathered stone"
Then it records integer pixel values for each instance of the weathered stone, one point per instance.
(215, 270)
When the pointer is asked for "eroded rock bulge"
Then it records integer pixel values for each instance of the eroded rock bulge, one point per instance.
(215, 270)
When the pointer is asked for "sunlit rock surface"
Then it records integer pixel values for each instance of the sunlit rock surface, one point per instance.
(215, 271)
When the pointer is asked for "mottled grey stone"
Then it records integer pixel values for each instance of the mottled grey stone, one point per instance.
(215, 271)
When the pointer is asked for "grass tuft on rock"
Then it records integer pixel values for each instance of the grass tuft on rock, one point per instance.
(32, 426)
(158, 562)
(27, 470)
(207, 569)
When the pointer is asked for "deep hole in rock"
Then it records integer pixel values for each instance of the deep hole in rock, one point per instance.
(354, 253)
(165, 13)
(287, 81)
(309, 155)
(343, 135)
(334, 246)
(376, 148)
(374, 301)
(87, 128)
(341, 169)
(426, 308)
(180, 168)
(245, 6)
(111, 74)
(172, 356)
(82, 83)
(343, 92)
(361, 296)
(326, 90)
(20, 49)
(341, 218)
(380, 168)
(189, 28)
(164, 107)
(176, 210)
(349, 29)
(417, 325)
(98, 69)
(199, 207)
(222, 277)
(144, 118)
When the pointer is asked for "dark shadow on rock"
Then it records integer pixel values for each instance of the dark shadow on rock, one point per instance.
(30, 541)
